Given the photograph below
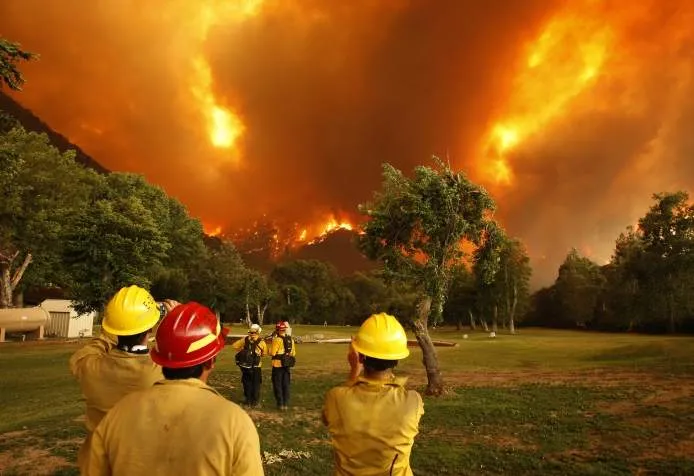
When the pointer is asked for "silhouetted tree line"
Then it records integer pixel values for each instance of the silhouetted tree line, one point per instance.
(647, 286)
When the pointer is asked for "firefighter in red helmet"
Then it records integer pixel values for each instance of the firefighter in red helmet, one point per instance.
(180, 425)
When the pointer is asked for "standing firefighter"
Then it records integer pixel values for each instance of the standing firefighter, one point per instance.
(250, 350)
(373, 419)
(180, 425)
(283, 352)
(117, 362)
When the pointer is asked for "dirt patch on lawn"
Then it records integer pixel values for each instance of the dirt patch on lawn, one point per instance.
(33, 461)
(597, 378)
(487, 436)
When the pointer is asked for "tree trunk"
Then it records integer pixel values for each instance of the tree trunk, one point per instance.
(485, 326)
(512, 315)
(248, 313)
(429, 357)
(6, 286)
(261, 314)
(473, 326)
(18, 299)
(495, 325)
(458, 324)
(671, 314)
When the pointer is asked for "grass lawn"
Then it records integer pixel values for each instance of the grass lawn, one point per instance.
(539, 402)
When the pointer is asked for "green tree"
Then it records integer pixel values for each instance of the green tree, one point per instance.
(578, 287)
(291, 303)
(624, 303)
(668, 255)
(328, 299)
(506, 291)
(462, 298)
(172, 283)
(41, 193)
(117, 242)
(11, 54)
(415, 229)
(371, 295)
(217, 280)
(258, 293)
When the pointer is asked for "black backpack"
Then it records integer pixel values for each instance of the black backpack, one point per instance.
(247, 357)
(287, 359)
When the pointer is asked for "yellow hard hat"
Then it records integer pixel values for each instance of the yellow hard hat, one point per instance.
(381, 336)
(131, 311)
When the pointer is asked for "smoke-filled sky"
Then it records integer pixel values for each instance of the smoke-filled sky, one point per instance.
(572, 113)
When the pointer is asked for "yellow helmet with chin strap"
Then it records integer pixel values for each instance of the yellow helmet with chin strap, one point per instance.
(381, 336)
(132, 310)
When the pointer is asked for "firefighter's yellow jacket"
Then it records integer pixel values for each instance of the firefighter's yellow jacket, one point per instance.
(176, 427)
(260, 350)
(372, 425)
(105, 375)
(277, 348)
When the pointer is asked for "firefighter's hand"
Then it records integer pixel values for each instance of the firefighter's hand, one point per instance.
(169, 304)
(353, 359)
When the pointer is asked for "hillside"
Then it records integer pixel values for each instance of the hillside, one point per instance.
(33, 123)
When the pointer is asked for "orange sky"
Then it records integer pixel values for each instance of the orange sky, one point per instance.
(571, 112)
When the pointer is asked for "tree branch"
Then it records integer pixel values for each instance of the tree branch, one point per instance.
(20, 271)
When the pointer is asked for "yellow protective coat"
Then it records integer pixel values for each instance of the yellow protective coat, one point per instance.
(176, 427)
(260, 350)
(106, 374)
(373, 425)
(277, 348)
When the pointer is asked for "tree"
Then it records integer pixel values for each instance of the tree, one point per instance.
(624, 302)
(290, 303)
(117, 242)
(415, 229)
(328, 299)
(217, 280)
(462, 298)
(578, 287)
(371, 295)
(509, 267)
(41, 193)
(11, 54)
(668, 253)
(258, 292)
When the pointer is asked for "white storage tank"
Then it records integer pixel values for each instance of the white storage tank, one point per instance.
(23, 319)
(65, 321)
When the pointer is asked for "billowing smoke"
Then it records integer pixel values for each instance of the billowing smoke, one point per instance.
(328, 90)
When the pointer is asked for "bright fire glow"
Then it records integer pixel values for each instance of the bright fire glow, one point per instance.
(212, 231)
(333, 225)
(562, 62)
(224, 127)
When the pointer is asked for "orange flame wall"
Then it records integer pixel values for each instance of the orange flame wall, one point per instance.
(571, 112)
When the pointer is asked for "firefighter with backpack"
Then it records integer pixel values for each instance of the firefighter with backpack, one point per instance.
(282, 352)
(248, 358)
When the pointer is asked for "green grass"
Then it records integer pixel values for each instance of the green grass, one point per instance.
(539, 402)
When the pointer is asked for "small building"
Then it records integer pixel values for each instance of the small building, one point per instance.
(65, 321)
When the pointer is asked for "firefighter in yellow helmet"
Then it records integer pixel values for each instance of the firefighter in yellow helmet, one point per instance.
(373, 419)
(179, 426)
(283, 355)
(250, 349)
(117, 362)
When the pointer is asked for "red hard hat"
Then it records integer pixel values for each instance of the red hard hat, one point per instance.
(282, 325)
(187, 336)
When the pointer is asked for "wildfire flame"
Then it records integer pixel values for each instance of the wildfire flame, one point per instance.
(224, 126)
(562, 62)
(211, 230)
